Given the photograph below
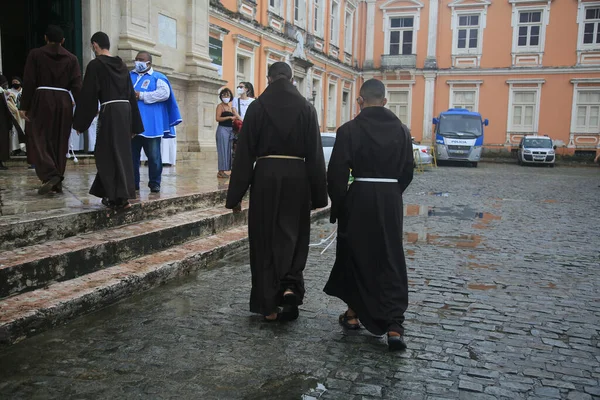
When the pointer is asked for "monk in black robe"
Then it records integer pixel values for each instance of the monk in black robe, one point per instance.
(369, 274)
(281, 134)
(107, 81)
(51, 72)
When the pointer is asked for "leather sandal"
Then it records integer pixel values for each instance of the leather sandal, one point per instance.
(396, 343)
(290, 298)
(345, 321)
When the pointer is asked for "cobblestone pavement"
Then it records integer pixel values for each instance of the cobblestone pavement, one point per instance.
(504, 305)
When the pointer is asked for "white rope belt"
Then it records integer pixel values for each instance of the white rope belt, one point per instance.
(380, 180)
(282, 157)
(57, 89)
(114, 101)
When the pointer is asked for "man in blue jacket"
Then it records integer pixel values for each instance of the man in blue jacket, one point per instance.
(160, 114)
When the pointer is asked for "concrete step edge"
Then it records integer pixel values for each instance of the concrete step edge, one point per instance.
(33, 228)
(81, 255)
(31, 313)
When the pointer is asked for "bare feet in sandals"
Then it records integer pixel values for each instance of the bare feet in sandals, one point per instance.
(349, 320)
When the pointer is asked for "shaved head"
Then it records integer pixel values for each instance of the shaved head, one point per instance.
(373, 92)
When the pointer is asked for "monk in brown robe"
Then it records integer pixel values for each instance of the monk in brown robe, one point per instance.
(51, 72)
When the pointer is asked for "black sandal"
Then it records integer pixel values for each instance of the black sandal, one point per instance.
(396, 343)
(290, 299)
(107, 203)
(344, 321)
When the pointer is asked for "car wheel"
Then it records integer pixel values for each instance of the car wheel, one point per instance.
(551, 165)
(519, 162)
(474, 165)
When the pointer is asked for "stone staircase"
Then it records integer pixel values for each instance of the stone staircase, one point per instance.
(56, 267)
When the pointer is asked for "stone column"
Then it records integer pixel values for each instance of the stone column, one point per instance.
(135, 30)
(431, 59)
(203, 85)
(370, 39)
(428, 106)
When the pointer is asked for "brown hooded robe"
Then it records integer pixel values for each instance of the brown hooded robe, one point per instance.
(50, 111)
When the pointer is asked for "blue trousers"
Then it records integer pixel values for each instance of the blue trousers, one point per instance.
(151, 147)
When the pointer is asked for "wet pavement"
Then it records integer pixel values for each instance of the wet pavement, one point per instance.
(18, 188)
(504, 304)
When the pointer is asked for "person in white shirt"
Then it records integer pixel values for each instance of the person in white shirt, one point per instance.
(245, 92)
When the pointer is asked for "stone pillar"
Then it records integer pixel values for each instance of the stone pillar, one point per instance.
(370, 39)
(428, 106)
(203, 85)
(431, 59)
(135, 30)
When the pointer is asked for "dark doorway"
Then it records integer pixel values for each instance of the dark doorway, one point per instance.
(23, 24)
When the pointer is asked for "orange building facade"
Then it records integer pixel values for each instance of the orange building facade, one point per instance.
(316, 37)
(528, 66)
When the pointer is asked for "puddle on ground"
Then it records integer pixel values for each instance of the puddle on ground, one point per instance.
(461, 241)
(464, 213)
(413, 210)
(481, 286)
(484, 220)
(296, 386)
(473, 265)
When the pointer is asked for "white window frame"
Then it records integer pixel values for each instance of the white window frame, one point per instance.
(581, 22)
(250, 56)
(387, 29)
(301, 20)
(544, 20)
(574, 127)
(475, 90)
(408, 90)
(349, 30)
(456, 14)
(276, 8)
(318, 12)
(334, 23)
(346, 108)
(536, 110)
(332, 111)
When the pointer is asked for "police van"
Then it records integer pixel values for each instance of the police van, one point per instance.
(459, 135)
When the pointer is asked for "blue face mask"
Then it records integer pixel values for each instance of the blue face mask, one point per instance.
(141, 66)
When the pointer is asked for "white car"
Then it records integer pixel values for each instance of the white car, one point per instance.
(535, 149)
(425, 156)
(328, 140)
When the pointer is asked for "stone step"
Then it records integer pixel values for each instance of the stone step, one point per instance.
(38, 227)
(30, 313)
(29, 268)
(82, 159)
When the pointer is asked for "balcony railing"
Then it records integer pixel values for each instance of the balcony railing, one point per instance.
(399, 61)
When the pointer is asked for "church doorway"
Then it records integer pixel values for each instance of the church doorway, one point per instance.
(22, 28)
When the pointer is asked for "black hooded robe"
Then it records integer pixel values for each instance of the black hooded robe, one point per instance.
(283, 191)
(369, 273)
(107, 80)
